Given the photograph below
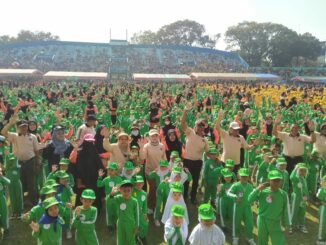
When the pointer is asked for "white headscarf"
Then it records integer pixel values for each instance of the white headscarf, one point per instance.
(184, 177)
(183, 229)
(202, 235)
(169, 204)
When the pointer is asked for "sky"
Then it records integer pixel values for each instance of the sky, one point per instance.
(90, 21)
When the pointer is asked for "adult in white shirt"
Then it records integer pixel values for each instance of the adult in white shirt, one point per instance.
(196, 145)
(320, 144)
(232, 142)
(293, 142)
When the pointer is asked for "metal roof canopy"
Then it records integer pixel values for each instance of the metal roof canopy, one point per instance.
(161, 77)
(57, 75)
(235, 76)
(20, 73)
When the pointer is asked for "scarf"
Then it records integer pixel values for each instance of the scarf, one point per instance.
(60, 146)
(47, 219)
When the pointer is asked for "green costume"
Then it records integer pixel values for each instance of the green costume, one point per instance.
(162, 193)
(128, 218)
(225, 203)
(241, 209)
(4, 221)
(299, 197)
(273, 209)
(15, 187)
(321, 195)
(212, 173)
(141, 197)
(314, 166)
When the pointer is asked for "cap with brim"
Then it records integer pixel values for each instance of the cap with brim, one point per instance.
(49, 202)
(213, 151)
(275, 174)
(2, 138)
(64, 161)
(302, 165)
(177, 160)
(51, 182)
(126, 183)
(226, 173)
(174, 154)
(229, 163)
(243, 172)
(135, 147)
(268, 154)
(89, 138)
(265, 147)
(164, 163)
(91, 117)
(206, 212)
(129, 166)
(234, 125)
(113, 166)
(61, 174)
(153, 132)
(21, 123)
(11, 156)
(177, 170)
(138, 179)
(176, 187)
(47, 190)
(178, 211)
(314, 153)
(122, 134)
(88, 194)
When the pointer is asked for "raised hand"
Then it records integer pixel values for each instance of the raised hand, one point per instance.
(77, 211)
(100, 172)
(35, 227)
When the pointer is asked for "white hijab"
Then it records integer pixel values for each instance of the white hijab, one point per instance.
(169, 204)
(202, 235)
(184, 177)
(183, 229)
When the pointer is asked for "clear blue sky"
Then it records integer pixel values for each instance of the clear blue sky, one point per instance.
(90, 21)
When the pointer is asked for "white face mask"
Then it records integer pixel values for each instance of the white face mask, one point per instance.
(134, 132)
(167, 122)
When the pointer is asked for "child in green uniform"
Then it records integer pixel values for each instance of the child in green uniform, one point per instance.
(127, 213)
(225, 203)
(108, 183)
(128, 171)
(263, 167)
(273, 209)
(141, 197)
(176, 228)
(4, 220)
(314, 165)
(48, 230)
(299, 197)
(281, 166)
(239, 192)
(161, 173)
(64, 195)
(15, 187)
(63, 166)
(84, 219)
(229, 164)
(321, 195)
(212, 173)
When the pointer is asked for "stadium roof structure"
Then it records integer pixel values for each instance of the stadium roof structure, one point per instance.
(20, 73)
(60, 75)
(161, 77)
(235, 76)
(309, 79)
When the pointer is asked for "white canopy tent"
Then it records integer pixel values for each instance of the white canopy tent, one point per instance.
(60, 75)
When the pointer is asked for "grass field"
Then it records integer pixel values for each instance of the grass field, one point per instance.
(20, 233)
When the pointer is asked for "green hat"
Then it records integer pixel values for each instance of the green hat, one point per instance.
(265, 147)
(226, 172)
(135, 147)
(129, 165)
(51, 182)
(268, 154)
(229, 163)
(178, 211)
(11, 156)
(126, 182)
(177, 160)
(324, 178)
(48, 189)
(49, 202)
(138, 179)
(314, 153)
(176, 187)
(64, 161)
(61, 174)
(164, 163)
(206, 212)
(88, 194)
(177, 170)
(302, 165)
(275, 174)
(213, 151)
(243, 172)
(174, 154)
(113, 165)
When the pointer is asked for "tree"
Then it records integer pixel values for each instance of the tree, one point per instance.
(269, 43)
(29, 36)
(182, 32)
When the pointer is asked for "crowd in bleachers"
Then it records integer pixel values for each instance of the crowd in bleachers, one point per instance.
(96, 57)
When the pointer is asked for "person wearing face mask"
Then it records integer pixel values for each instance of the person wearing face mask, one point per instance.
(320, 144)
(196, 145)
(172, 143)
(168, 126)
(134, 135)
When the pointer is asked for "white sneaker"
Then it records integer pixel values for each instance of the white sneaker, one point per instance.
(157, 223)
(251, 242)
(150, 211)
(69, 234)
(235, 241)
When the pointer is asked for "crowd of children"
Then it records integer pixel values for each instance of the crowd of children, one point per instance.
(136, 168)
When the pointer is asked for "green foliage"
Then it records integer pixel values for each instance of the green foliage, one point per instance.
(28, 36)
